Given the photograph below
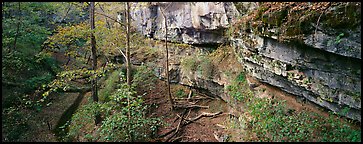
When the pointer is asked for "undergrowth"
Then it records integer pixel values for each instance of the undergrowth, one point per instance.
(116, 126)
(273, 121)
(200, 64)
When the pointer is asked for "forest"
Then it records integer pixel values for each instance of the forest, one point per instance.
(181, 72)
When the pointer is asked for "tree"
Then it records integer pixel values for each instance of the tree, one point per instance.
(167, 56)
(128, 72)
(94, 57)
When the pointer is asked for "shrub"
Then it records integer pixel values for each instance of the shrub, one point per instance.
(117, 125)
(110, 86)
(189, 64)
(200, 64)
(273, 121)
(205, 67)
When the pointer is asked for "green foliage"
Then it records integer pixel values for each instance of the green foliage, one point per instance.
(32, 26)
(205, 67)
(241, 78)
(14, 123)
(110, 86)
(273, 121)
(116, 125)
(22, 62)
(36, 82)
(338, 38)
(82, 120)
(180, 93)
(238, 88)
(64, 79)
(189, 64)
(143, 78)
(200, 64)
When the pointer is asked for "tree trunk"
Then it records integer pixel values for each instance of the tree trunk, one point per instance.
(167, 61)
(128, 71)
(94, 57)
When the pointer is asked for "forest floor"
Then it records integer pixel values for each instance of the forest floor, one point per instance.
(201, 130)
(220, 128)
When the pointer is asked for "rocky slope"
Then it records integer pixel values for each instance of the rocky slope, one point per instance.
(323, 67)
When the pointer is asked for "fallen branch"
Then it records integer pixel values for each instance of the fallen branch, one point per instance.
(76, 89)
(178, 127)
(190, 94)
(177, 138)
(217, 138)
(204, 114)
(185, 103)
(189, 120)
(190, 106)
(197, 98)
(181, 120)
(205, 95)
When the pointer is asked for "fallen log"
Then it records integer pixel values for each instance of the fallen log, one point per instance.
(177, 128)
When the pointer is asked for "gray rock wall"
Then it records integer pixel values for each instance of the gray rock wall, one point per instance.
(188, 22)
(329, 80)
(324, 68)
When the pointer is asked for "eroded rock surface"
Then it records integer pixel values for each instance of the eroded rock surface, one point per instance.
(188, 22)
(325, 67)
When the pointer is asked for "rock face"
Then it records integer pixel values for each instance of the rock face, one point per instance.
(188, 22)
(323, 68)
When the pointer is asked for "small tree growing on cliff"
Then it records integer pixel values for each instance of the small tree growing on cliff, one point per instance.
(167, 55)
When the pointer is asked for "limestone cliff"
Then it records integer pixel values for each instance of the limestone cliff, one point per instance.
(323, 65)
(188, 22)
(312, 51)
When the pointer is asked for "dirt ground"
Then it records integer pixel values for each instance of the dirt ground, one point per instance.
(205, 129)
